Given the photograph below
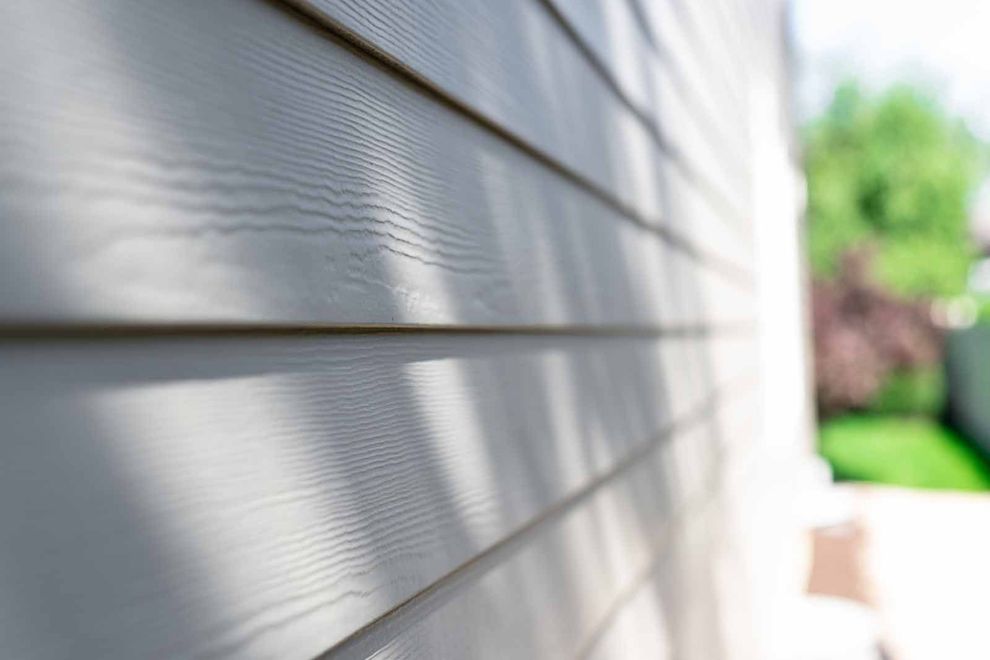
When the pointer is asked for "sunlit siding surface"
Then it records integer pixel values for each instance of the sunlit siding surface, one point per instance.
(391, 328)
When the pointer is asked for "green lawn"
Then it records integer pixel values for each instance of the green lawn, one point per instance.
(902, 451)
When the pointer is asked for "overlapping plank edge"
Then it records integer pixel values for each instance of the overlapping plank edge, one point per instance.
(111, 330)
(721, 37)
(545, 92)
(665, 86)
(229, 497)
(679, 601)
(554, 590)
(717, 89)
(230, 162)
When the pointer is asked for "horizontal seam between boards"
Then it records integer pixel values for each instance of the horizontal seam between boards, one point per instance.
(115, 330)
(697, 38)
(705, 186)
(644, 26)
(665, 55)
(660, 551)
(735, 272)
(375, 634)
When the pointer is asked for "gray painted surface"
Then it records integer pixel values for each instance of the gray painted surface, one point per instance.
(656, 85)
(254, 496)
(212, 213)
(656, 527)
(223, 161)
(513, 63)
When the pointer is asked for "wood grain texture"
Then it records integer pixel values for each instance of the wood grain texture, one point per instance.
(268, 497)
(544, 91)
(213, 211)
(657, 83)
(707, 38)
(228, 162)
(714, 41)
(565, 590)
(551, 595)
(667, 27)
(662, 24)
(690, 602)
(676, 612)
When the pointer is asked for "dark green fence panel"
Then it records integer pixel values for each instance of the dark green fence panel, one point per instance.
(968, 375)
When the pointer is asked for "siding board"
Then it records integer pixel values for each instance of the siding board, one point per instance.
(268, 497)
(666, 22)
(547, 93)
(658, 88)
(548, 597)
(392, 329)
(712, 48)
(226, 162)
(673, 613)
(687, 603)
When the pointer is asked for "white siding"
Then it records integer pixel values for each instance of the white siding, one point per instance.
(396, 329)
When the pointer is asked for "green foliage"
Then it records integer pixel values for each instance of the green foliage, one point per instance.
(902, 451)
(919, 391)
(894, 171)
(918, 265)
(983, 309)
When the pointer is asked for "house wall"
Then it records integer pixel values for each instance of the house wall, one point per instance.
(394, 329)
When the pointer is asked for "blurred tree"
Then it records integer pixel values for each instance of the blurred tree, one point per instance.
(892, 170)
(863, 337)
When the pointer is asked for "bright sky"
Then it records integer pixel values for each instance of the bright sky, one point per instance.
(942, 43)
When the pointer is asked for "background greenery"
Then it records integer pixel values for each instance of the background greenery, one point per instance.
(892, 170)
(902, 451)
(890, 177)
(916, 392)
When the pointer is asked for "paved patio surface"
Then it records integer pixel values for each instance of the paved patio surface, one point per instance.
(922, 560)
